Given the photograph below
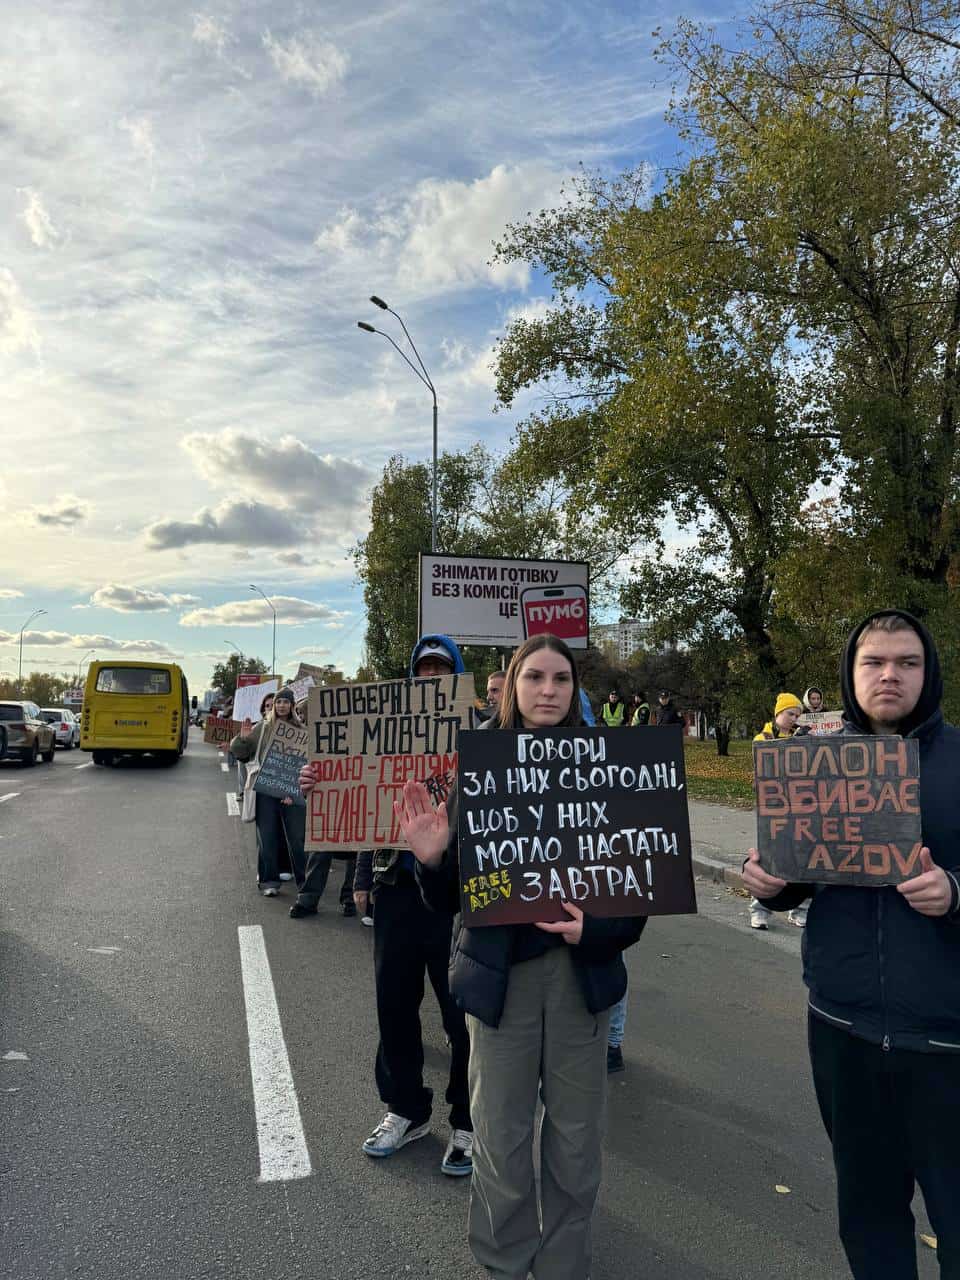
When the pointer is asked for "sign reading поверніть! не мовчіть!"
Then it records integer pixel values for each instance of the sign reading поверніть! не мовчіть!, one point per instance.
(594, 817)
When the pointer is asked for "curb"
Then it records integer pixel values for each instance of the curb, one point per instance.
(717, 871)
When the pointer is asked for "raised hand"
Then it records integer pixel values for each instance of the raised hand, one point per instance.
(307, 779)
(424, 828)
(931, 892)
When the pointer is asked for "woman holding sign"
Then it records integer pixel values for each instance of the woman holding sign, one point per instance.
(537, 999)
(280, 823)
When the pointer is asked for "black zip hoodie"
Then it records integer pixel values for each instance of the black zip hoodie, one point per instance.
(873, 965)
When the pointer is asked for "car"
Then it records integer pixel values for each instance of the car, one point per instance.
(65, 725)
(28, 735)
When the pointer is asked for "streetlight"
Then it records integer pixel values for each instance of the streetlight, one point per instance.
(36, 614)
(425, 379)
(273, 662)
(87, 655)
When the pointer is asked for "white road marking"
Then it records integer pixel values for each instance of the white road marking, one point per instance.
(225, 768)
(11, 795)
(283, 1144)
(88, 765)
(14, 1055)
(104, 951)
(233, 805)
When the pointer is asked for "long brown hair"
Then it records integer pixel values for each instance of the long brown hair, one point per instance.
(510, 717)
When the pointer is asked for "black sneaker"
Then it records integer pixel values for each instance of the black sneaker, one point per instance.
(348, 909)
(614, 1059)
(297, 911)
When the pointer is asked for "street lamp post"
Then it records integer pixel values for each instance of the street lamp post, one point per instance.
(273, 662)
(427, 382)
(36, 614)
(88, 654)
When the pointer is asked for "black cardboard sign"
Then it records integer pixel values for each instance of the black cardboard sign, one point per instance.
(594, 817)
(839, 810)
(284, 755)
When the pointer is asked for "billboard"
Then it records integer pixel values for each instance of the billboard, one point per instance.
(499, 603)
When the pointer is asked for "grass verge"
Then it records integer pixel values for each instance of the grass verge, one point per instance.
(723, 779)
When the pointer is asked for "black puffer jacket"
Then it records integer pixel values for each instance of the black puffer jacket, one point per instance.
(480, 958)
(872, 964)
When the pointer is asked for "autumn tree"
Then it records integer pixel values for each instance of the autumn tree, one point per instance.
(224, 678)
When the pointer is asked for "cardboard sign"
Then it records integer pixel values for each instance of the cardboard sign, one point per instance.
(494, 602)
(284, 754)
(843, 810)
(301, 687)
(220, 732)
(366, 741)
(588, 816)
(821, 722)
(308, 669)
(246, 701)
(247, 678)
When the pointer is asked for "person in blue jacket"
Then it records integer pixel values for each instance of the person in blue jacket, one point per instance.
(410, 942)
(537, 998)
(882, 966)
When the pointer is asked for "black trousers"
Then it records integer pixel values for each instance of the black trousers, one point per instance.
(312, 874)
(408, 941)
(894, 1121)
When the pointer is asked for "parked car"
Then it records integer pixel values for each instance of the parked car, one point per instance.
(28, 734)
(65, 725)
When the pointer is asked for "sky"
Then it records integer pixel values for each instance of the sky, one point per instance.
(196, 205)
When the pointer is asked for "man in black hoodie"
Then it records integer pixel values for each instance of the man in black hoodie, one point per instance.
(883, 970)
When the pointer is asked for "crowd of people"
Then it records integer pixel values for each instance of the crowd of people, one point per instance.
(544, 1004)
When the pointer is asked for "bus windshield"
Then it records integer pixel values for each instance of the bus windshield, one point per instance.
(136, 680)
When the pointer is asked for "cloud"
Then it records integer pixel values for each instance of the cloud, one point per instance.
(64, 640)
(10, 593)
(310, 651)
(286, 467)
(140, 130)
(245, 524)
(307, 60)
(17, 330)
(208, 31)
(254, 612)
(291, 558)
(63, 515)
(38, 221)
(125, 599)
(442, 235)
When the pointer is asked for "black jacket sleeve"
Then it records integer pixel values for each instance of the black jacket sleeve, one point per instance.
(607, 935)
(439, 886)
(792, 895)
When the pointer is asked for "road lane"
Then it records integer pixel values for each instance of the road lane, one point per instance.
(131, 1142)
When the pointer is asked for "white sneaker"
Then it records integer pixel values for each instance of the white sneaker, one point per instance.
(269, 892)
(367, 920)
(286, 875)
(458, 1158)
(392, 1133)
(759, 917)
(798, 916)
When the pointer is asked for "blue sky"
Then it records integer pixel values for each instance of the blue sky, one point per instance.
(197, 203)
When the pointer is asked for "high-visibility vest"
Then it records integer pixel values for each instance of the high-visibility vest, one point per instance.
(613, 716)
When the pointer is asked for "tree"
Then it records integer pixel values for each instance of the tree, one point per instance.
(486, 507)
(225, 674)
(44, 689)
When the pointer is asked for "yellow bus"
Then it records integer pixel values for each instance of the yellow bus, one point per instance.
(135, 709)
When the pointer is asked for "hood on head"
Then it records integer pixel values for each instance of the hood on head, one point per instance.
(814, 688)
(928, 704)
(441, 642)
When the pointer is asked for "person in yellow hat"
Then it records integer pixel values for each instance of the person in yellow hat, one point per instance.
(786, 712)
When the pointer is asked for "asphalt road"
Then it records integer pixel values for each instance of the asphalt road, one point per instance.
(129, 1144)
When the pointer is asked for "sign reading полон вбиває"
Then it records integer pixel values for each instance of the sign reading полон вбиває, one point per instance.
(594, 817)
(284, 754)
(841, 810)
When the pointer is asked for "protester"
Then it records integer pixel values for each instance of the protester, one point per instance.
(783, 724)
(409, 941)
(536, 998)
(639, 711)
(666, 712)
(280, 823)
(813, 699)
(612, 711)
(883, 970)
(495, 683)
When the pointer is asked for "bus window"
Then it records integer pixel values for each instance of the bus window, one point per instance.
(133, 680)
